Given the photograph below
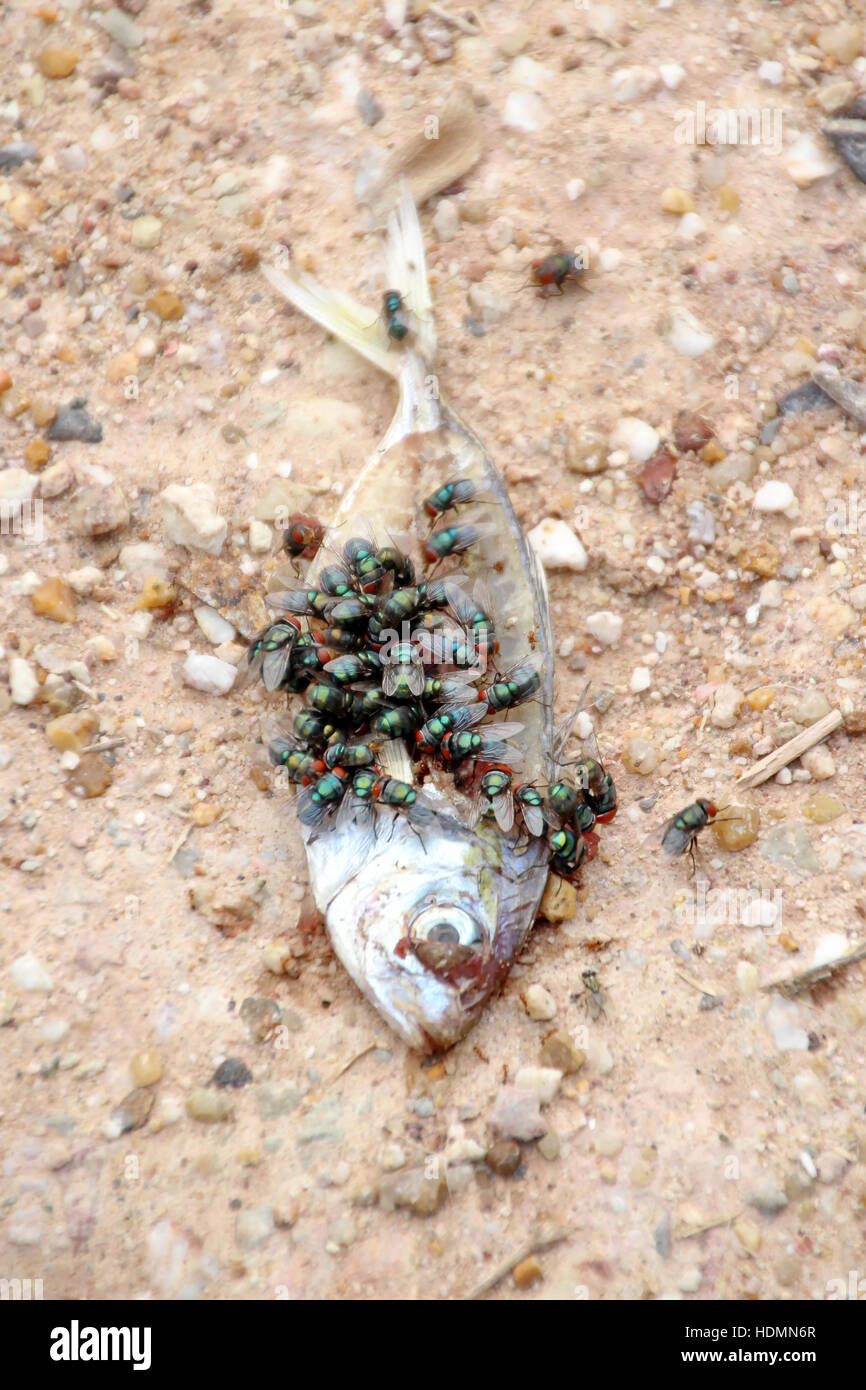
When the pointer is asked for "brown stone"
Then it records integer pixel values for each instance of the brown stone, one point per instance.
(55, 600)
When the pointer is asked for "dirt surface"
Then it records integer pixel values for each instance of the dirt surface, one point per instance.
(704, 1149)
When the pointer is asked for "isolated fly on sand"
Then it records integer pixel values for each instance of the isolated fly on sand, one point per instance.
(683, 829)
(429, 859)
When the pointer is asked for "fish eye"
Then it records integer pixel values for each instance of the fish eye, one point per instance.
(449, 925)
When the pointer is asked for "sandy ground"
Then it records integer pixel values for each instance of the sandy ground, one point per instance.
(693, 1156)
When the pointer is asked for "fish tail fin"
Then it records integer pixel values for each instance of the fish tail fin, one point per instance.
(351, 321)
(337, 313)
(406, 268)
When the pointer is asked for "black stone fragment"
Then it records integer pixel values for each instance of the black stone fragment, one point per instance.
(232, 1072)
(73, 422)
(803, 398)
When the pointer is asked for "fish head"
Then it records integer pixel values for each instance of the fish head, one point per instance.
(428, 920)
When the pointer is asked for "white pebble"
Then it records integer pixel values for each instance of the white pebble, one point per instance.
(214, 626)
(190, 517)
(23, 685)
(641, 679)
(771, 72)
(17, 485)
(671, 75)
(30, 974)
(771, 594)
(84, 581)
(829, 947)
(774, 496)
(630, 84)
(209, 674)
(691, 227)
(446, 220)
(604, 626)
(806, 163)
(260, 537)
(636, 436)
(583, 725)
(727, 700)
(748, 977)
(783, 1021)
(687, 335)
(575, 188)
(557, 547)
(539, 1003)
(543, 1082)
(164, 789)
(819, 763)
(524, 111)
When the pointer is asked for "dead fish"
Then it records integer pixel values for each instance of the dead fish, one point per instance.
(427, 913)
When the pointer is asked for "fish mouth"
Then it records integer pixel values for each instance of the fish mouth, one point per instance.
(427, 937)
(434, 977)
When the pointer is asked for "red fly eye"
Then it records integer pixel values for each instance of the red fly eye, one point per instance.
(711, 809)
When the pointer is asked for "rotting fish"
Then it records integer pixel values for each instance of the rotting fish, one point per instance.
(427, 912)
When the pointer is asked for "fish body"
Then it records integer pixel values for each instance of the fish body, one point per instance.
(428, 912)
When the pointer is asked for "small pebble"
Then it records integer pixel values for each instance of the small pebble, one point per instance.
(57, 63)
(557, 546)
(640, 756)
(748, 1235)
(768, 1198)
(516, 1114)
(560, 1051)
(727, 702)
(30, 974)
(215, 627)
(146, 1067)
(738, 828)
(72, 422)
(677, 200)
(392, 1158)
(23, 685)
(774, 496)
(608, 1142)
(687, 335)
(146, 232)
(209, 1106)
(549, 1147)
(261, 1016)
(191, 519)
(638, 438)
(208, 674)
(543, 1082)
(806, 163)
(55, 600)
(504, 1157)
(811, 707)
(821, 809)
(232, 1072)
(539, 1003)
(446, 220)
(559, 900)
(254, 1226)
(414, 1190)
(527, 1272)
